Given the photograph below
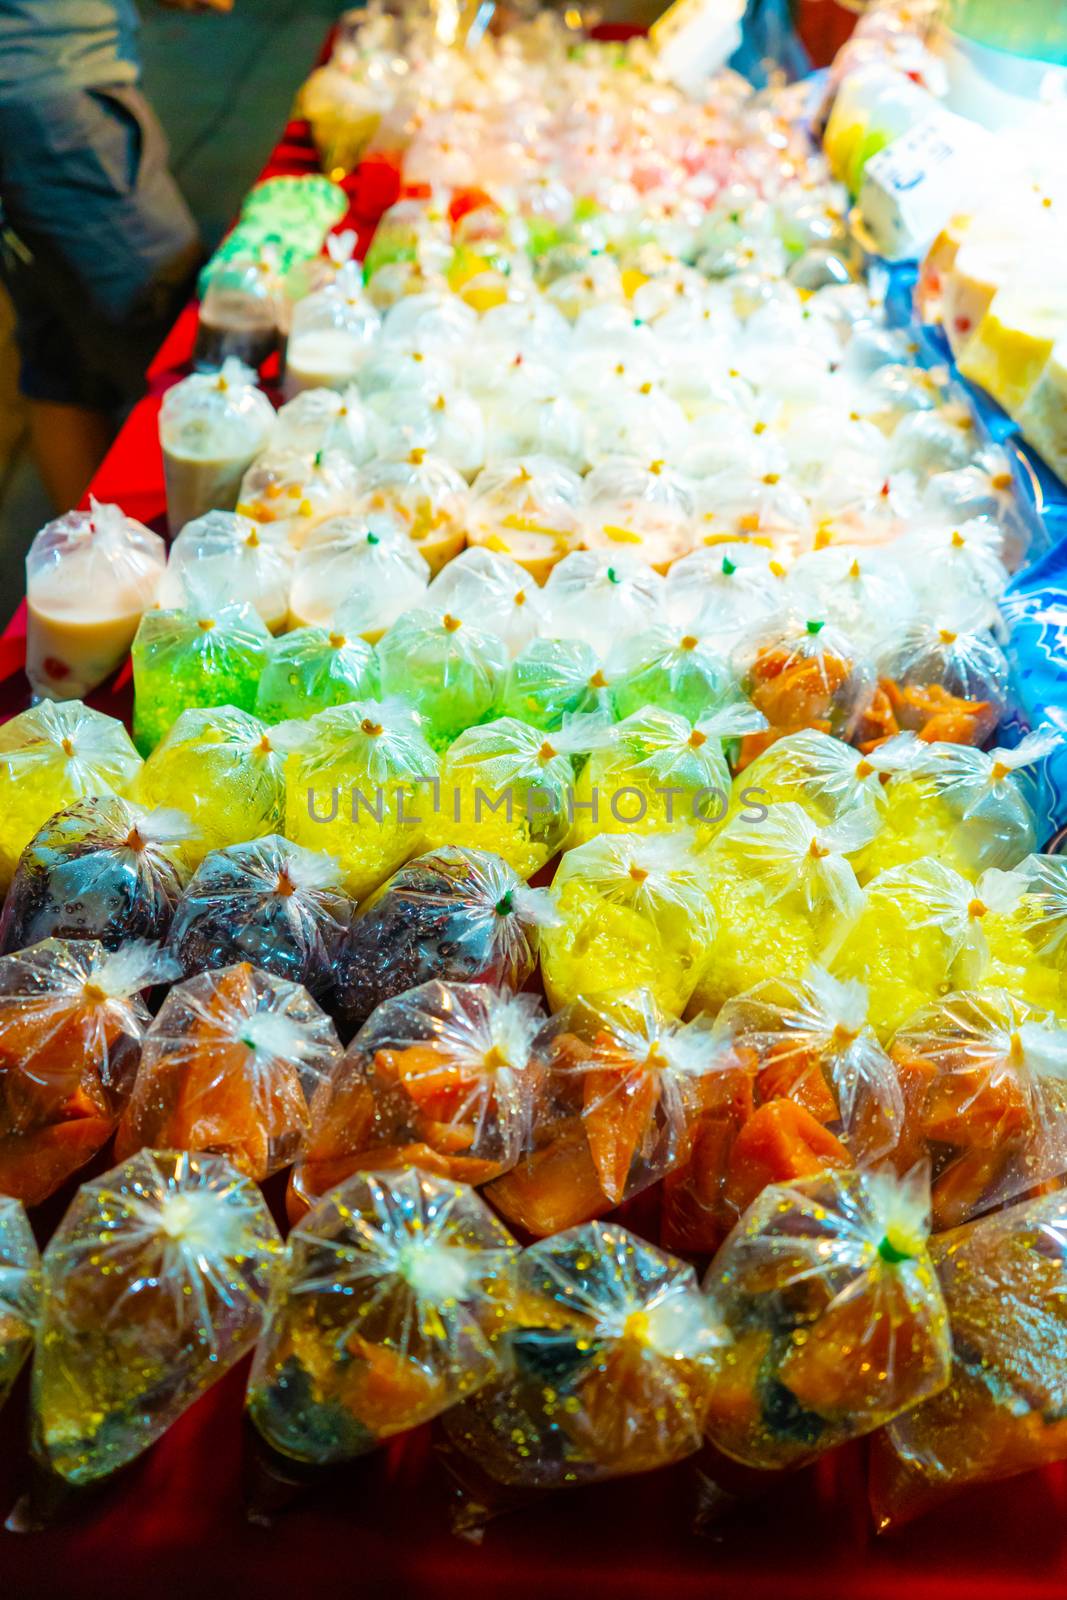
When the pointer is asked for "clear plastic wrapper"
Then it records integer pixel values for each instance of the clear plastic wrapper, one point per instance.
(290, 494)
(359, 784)
(231, 1064)
(72, 1019)
(457, 914)
(155, 1285)
(964, 559)
(238, 322)
(508, 786)
(1023, 945)
(101, 869)
(311, 669)
(221, 557)
(825, 776)
(493, 592)
(268, 902)
(982, 1079)
(529, 508)
(601, 599)
(331, 333)
(552, 680)
(226, 768)
(90, 576)
(632, 912)
(914, 924)
(426, 495)
(656, 770)
(970, 808)
(362, 571)
(449, 425)
(644, 510)
(323, 419)
(672, 668)
(1002, 1278)
(724, 590)
(51, 756)
(946, 677)
(212, 426)
(836, 1320)
(20, 1291)
(859, 591)
(392, 1306)
(807, 675)
(444, 1077)
(784, 892)
(626, 1088)
(452, 671)
(808, 1040)
(200, 657)
(611, 1366)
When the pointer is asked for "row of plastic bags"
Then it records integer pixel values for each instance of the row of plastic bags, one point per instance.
(827, 1314)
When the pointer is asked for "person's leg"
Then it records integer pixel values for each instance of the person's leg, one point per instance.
(68, 442)
(105, 256)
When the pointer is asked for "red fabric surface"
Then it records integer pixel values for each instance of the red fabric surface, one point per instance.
(176, 1523)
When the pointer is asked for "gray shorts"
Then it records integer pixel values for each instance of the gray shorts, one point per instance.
(99, 248)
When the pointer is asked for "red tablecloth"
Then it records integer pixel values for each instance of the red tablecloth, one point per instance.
(176, 1523)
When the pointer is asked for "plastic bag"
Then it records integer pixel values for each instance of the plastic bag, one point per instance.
(508, 786)
(212, 425)
(223, 556)
(528, 508)
(1023, 944)
(155, 1285)
(20, 1291)
(611, 1367)
(724, 591)
(268, 902)
(552, 680)
(392, 1304)
(195, 658)
(625, 1090)
(444, 1077)
(655, 770)
(945, 677)
(784, 893)
(671, 668)
(331, 333)
(806, 675)
(633, 912)
(1002, 1278)
(646, 510)
(289, 495)
(452, 671)
(835, 1317)
(460, 915)
(230, 1064)
(427, 496)
(865, 593)
(51, 756)
(809, 1041)
(602, 599)
(982, 1079)
(102, 869)
(227, 768)
(71, 1024)
(359, 784)
(89, 578)
(969, 808)
(362, 571)
(825, 776)
(448, 425)
(322, 419)
(915, 923)
(492, 592)
(311, 669)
